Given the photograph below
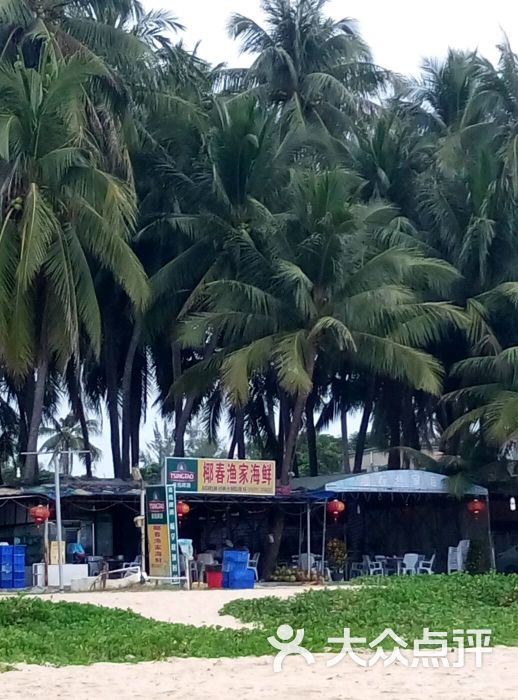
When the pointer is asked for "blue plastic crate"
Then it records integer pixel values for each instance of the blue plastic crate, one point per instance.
(19, 562)
(234, 560)
(19, 581)
(6, 584)
(19, 549)
(240, 579)
(233, 566)
(6, 552)
(235, 556)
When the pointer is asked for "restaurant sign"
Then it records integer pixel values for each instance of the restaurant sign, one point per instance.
(157, 532)
(221, 476)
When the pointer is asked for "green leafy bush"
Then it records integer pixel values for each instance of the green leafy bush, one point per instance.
(37, 631)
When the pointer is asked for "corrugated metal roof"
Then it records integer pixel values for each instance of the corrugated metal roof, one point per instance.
(76, 487)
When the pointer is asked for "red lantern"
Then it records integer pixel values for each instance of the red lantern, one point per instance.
(476, 506)
(182, 508)
(335, 508)
(39, 514)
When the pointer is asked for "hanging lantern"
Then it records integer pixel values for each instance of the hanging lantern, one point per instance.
(476, 506)
(39, 514)
(182, 508)
(335, 508)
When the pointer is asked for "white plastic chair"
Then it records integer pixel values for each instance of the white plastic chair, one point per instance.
(426, 566)
(453, 560)
(193, 570)
(382, 559)
(457, 556)
(253, 561)
(136, 562)
(409, 564)
(357, 569)
(375, 568)
(202, 560)
(306, 564)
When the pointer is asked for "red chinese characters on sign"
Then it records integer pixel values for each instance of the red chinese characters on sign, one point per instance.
(267, 474)
(255, 477)
(220, 473)
(243, 474)
(230, 476)
(232, 473)
(208, 472)
(158, 554)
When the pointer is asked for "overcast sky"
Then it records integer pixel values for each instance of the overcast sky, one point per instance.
(400, 32)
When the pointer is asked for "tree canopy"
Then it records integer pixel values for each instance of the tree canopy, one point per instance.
(260, 252)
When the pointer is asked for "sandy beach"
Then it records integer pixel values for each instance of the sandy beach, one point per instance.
(251, 677)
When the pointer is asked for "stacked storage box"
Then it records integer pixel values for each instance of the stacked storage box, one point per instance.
(236, 573)
(12, 566)
(19, 566)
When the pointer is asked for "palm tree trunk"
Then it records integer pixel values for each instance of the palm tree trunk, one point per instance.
(126, 398)
(410, 431)
(275, 535)
(182, 421)
(21, 399)
(277, 527)
(311, 436)
(284, 424)
(76, 400)
(232, 448)
(136, 415)
(238, 434)
(181, 427)
(394, 422)
(364, 425)
(239, 429)
(291, 439)
(64, 464)
(31, 461)
(345, 441)
(270, 413)
(176, 358)
(394, 457)
(112, 397)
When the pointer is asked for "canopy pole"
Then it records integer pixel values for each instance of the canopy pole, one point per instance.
(324, 539)
(490, 537)
(300, 537)
(308, 523)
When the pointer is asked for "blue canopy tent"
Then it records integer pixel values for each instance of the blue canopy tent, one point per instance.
(398, 481)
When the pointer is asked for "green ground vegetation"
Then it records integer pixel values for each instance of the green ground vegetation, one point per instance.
(37, 631)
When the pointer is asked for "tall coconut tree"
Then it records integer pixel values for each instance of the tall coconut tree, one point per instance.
(327, 290)
(318, 69)
(242, 170)
(60, 210)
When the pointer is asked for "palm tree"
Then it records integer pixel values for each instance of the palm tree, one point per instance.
(225, 230)
(65, 438)
(60, 210)
(327, 291)
(115, 31)
(316, 68)
(9, 432)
